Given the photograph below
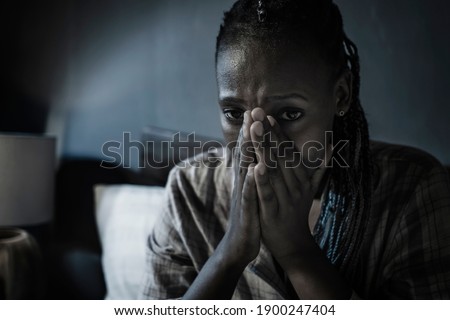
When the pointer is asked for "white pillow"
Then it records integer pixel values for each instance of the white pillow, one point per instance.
(125, 216)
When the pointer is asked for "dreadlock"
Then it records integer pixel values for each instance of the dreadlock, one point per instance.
(318, 25)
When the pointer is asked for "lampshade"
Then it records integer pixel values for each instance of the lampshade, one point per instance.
(27, 173)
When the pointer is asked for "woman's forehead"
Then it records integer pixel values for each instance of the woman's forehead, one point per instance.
(251, 68)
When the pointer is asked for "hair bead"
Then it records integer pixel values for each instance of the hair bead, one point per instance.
(261, 11)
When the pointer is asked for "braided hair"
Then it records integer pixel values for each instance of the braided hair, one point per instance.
(318, 25)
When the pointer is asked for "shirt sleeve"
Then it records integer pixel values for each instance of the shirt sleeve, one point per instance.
(419, 256)
(169, 269)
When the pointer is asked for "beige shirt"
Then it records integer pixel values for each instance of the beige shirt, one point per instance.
(405, 254)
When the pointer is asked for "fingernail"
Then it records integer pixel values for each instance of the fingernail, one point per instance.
(258, 114)
(271, 120)
(259, 129)
(261, 169)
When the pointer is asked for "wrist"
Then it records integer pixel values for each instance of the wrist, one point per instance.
(232, 255)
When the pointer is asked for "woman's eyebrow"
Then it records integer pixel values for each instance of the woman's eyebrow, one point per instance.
(293, 95)
(237, 101)
(231, 100)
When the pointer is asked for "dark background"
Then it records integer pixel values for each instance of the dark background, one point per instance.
(86, 71)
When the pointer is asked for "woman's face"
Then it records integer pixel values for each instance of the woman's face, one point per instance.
(293, 87)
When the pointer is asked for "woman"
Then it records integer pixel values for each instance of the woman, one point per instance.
(330, 216)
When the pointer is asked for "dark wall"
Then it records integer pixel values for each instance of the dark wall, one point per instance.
(405, 53)
(87, 71)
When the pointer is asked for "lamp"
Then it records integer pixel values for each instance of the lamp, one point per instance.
(27, 166)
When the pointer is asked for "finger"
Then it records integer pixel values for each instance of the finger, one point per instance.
(236, 151)
(286, 150)
(283, 178)
(246, 147)
(249, 193)
(268, 144)
(261, 135)
(258, 114)
(246, 125)
(292, 156)
(285, 170)
(306, 176)
(281, 153)
(257, 132)
(268, 200)
(285, 145)
(244, 153)
(249, 213)
(239, 172)
(309, 166)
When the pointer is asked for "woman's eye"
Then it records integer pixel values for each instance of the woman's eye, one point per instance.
(291, 115)
(233, 115)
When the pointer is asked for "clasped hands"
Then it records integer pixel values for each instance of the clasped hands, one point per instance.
(271, 200)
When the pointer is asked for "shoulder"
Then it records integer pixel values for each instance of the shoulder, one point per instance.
(398, 162)
(400, 154)
(405, 178)
(404, 175)
(202, 175)
(410, 223)
(197, 201)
